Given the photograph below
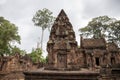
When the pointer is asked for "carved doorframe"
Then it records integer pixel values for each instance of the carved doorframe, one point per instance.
(62, 59)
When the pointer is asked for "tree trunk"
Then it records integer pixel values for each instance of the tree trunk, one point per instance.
(42, 38)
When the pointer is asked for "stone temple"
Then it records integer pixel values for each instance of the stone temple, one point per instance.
(62, 46)
(95, 59)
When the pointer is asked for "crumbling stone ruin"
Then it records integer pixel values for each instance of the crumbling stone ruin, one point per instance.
(98, 53)
(94, 60)
(63, 51)
(12, 67)
(62, 47)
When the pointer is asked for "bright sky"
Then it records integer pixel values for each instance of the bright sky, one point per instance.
(80, 12)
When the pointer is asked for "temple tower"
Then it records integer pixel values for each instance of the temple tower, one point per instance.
(62, 47)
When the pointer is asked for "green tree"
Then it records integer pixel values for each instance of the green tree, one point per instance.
(114, 32)
(8, 34)
(36, 55)
(43, 18)
(103, 26)
(98, 27)
(15, 50)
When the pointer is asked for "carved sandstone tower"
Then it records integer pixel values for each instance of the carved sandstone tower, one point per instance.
(64, 57)
(62, 47)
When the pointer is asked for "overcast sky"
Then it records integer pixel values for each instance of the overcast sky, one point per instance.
(80, 12)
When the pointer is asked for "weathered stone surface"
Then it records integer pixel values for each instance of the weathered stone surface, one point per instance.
(92, 61)
(62, 47)
(98, 53)
(61, 75)
(64, 57)
(12, 67)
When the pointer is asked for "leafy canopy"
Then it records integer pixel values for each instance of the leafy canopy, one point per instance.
(16, 49)
(36, 55)
(98, 27)
(8, 34)
(103, 26)
(114, 32)
(43, 18)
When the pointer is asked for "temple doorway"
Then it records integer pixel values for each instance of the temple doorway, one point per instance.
(97, 61)
(62, 60)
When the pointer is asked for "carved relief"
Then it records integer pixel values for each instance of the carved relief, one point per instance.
(62, 37)
(64, 53)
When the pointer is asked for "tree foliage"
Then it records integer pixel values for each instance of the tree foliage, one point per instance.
(98, 27)
(8, 34)
(114, 32)
(43, 18)
(15, 50)
(36, 56)
(103, 26)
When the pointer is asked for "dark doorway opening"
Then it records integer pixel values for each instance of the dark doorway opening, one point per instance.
(112, 60)
(97, 61)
